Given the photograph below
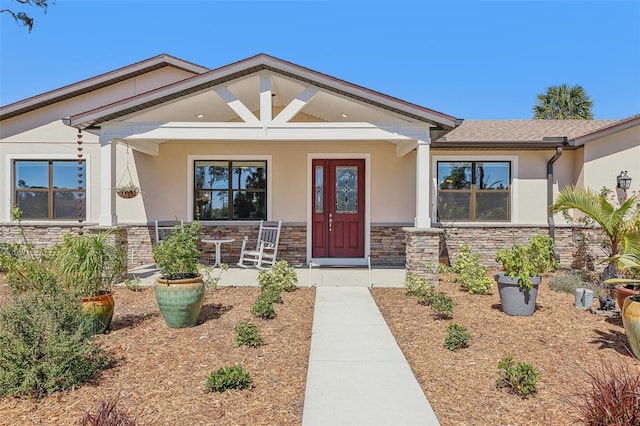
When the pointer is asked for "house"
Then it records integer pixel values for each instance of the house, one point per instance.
(354, 174)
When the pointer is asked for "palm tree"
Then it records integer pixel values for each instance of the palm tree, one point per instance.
(563, 102)
(620, 225)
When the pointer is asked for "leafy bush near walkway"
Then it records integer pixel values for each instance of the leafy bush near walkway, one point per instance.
(46, 346)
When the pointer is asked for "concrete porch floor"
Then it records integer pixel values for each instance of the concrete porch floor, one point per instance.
(315, 276)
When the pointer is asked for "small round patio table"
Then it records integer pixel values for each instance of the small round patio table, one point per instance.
(218, 243)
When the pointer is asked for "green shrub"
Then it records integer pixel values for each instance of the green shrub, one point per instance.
(46, 346)
(233, 377)
(528, 261)
(426, 295)
(247, 334)
(263, 306)
(470, 273)
(614, 398)
(521, 378)
(458, 337)
(177, 256)
(106, 414)
(415, 285)
(442, 305)
(282, 276)
(272, 293)
(133, 284)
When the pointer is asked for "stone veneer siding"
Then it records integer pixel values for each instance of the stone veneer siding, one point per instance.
(423, 248)
(391, 245)
(388, 246)
(487, 240)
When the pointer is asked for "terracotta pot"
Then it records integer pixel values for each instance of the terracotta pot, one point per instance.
(101, 308)
(631, 322)
(180, 301)
(622, 292)
(515, 300)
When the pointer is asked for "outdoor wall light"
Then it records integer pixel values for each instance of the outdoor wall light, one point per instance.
(624, 181)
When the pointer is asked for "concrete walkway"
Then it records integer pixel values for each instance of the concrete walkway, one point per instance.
(357, 374)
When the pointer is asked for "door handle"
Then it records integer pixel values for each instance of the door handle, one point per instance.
(330, 222)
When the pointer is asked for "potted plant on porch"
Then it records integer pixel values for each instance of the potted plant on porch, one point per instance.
(180, 288)
(89, 265)
(630, 303)
(523, 266)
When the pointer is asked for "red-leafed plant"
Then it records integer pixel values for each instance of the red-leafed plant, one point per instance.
(614, 397)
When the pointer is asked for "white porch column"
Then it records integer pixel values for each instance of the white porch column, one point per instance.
(423, 162)
(107, 183)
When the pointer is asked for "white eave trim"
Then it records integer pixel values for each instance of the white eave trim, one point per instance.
(288, 70)
(88, 83)
(230, 131)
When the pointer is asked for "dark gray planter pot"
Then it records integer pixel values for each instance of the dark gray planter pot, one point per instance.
(517, 301)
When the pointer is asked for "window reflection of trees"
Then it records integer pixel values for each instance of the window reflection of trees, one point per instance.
(214, 188)
(48, 202)
(473, 191)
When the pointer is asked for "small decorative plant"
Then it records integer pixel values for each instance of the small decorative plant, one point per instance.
(133, 284)
(527, 261)
(177, 256)
(107, 414)
(441, 304)
(458, 337)
(614, 397)
(629, 263)
(128, 190)
(263, 306)
(281, 276)
(521, 378)
(247, 334)
(229, 377)
(470, 273)
(415, 285)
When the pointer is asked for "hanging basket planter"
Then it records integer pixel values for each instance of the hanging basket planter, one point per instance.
(127, 192)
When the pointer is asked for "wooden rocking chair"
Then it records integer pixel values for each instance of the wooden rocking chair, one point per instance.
(164, 230)
(266, 249)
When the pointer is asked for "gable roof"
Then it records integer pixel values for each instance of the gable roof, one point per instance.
(541, 134)
(98, 82)
(254, 64)
(618, 126)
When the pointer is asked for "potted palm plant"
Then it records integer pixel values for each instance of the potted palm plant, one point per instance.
(180, 288)
(523, 266)
(89, 265)
(629, 299)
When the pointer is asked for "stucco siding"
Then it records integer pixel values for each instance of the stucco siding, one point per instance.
(164, 179)
(605, 158)
(94, 99)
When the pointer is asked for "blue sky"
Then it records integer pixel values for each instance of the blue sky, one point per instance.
(469, 59)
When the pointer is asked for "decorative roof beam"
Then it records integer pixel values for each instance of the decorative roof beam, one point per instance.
(236, 105)
(296, 105)
(266, 106)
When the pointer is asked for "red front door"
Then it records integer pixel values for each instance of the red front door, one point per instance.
(338, 208)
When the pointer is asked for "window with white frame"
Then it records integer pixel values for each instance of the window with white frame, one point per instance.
(230, 190)
(474, 191)
(49, 189)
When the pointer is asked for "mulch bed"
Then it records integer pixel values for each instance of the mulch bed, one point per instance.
(562, 342)
(159, 373)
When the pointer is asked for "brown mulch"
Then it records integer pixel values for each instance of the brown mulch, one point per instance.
(560, 341)
(159, 373)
